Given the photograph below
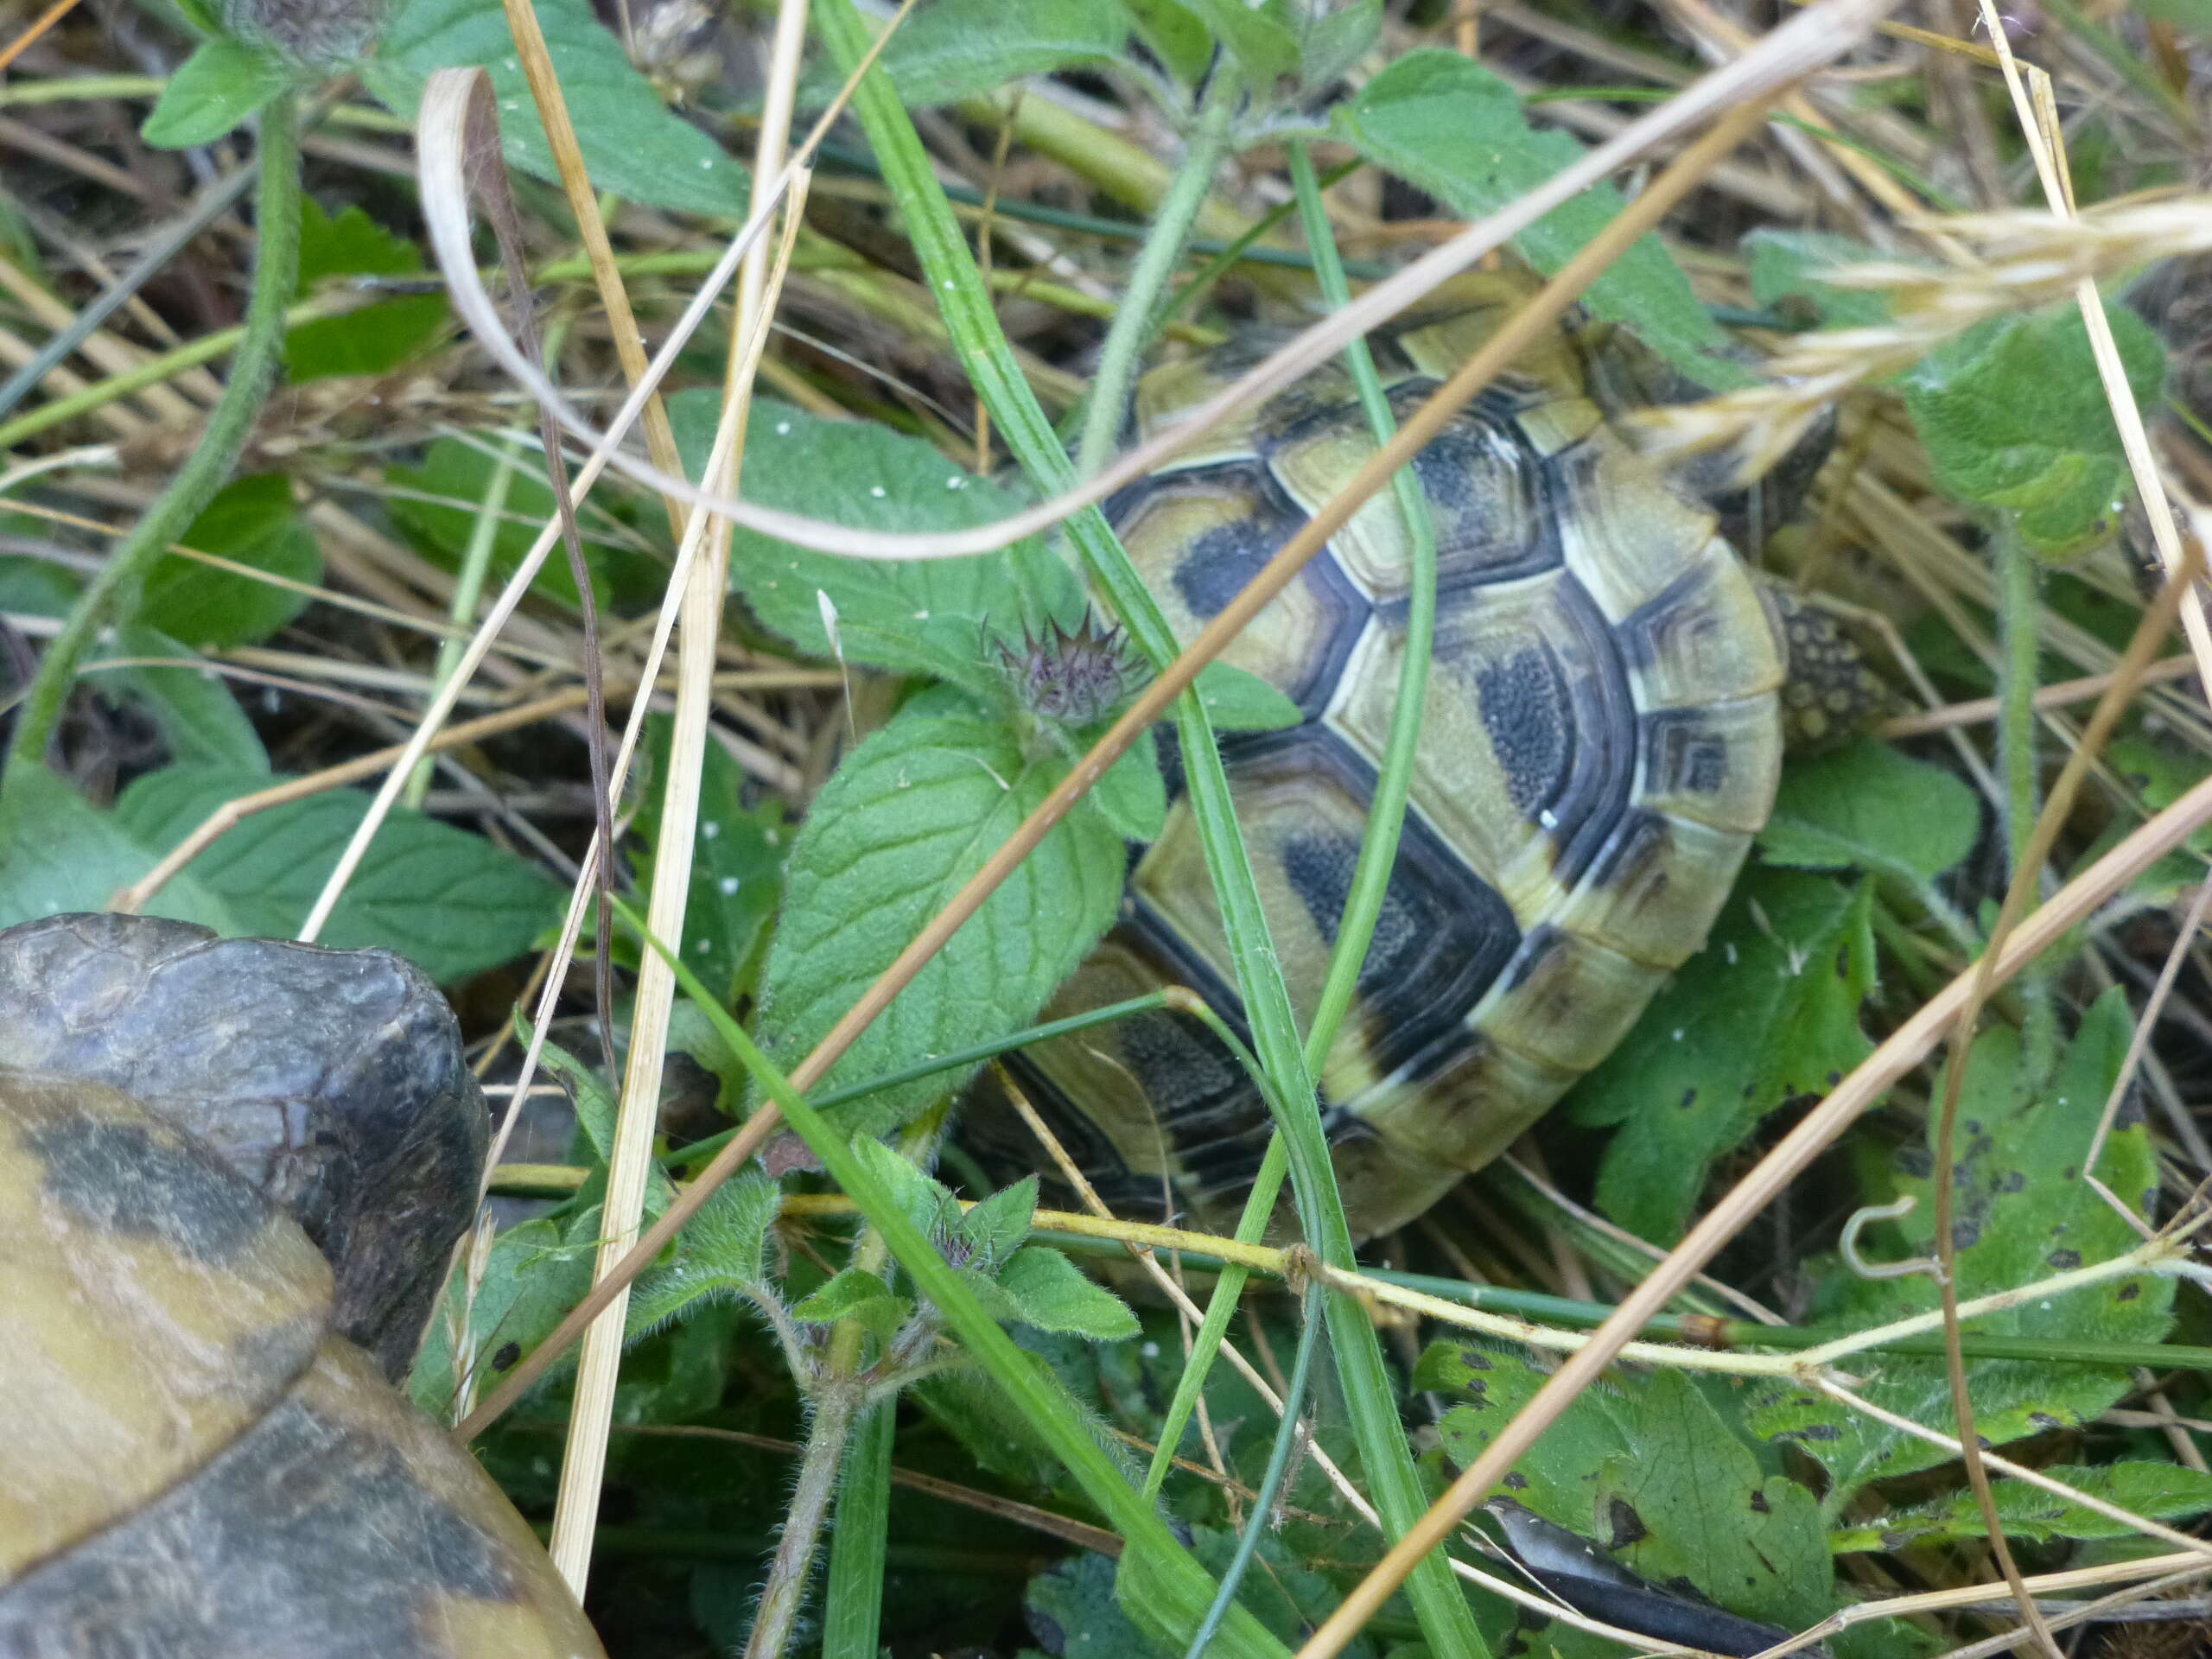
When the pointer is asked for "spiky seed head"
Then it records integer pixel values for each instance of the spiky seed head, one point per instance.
(1072, 679)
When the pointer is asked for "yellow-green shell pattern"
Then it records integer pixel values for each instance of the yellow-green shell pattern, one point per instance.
(1600, 741)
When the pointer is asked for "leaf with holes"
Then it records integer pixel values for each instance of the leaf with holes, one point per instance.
(1768, 1011)
(911, 814)
(2161, 1492)
(2024, 1213)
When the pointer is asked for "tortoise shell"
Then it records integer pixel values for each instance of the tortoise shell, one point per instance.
(1601, 739)
(199, 1462)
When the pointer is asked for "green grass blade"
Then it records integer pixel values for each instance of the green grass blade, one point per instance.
(852, 1601)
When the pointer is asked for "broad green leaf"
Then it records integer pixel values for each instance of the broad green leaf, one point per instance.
(2023, 1212)
(1074, 1597)
(375, 338)
(944, 618)
(1336, 38)
(1871, 806)
(437, 504)
(718, 1256)
(911, 814)
(1261, 40)
(533, 1277)
(449, 901)
(632, 144)
(252, 521)
(223, 82)
(200, 720)
(59, 852)
(997, 1227)
(1444, 123)
(2014, 416)
(737, 861)
(2194, 15)
(1768, 1011)
(926, 1203)
(1786, 265)
(2162, 1491)
(953, 49)
(1653, 1474)
(1052, 1293)
(1132, 795)
(1176, 36)
(1238, 700)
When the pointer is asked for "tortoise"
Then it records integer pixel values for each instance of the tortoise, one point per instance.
(206, 1454)
(1602, 738)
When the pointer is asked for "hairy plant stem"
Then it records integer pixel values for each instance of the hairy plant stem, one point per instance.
(835, 1404)
(2017, 583)
(114, 594)
(1141, 302)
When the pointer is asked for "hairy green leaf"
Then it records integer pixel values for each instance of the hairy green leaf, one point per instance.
(718, 1256)
(634, 144)
(1871, 806)
(252, 522)
(953, 49)
(2014, 416)
(1768, 1011)
(451, 902)
(2161, 1492)
(946, 618)
(911, 815)
(1443, 122)
(1786, 266)
(222, 84)
(1049, 1291)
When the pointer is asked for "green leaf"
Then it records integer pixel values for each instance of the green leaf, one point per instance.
(1656, 1476)
(737, 863)
(2014, 416)
(939, 616)
(222, 84)
(1239, 701)
(854, 1293)
(1176, 36)
(532, 1278)
(910, 816)
(632, 144)
(2023, 1212)
(1132, 795)
(996, 1228)
(59, 852)
(1768, 1011)
(198, 718)
(1052, 1293)
(953, 49)
(718, 1256)
(252, 522)
(451, 902)
(2161, 1492)
(437, 504)
(1871, 806)
(1447, 124)
(2194, 15)
(1337, 38)
(1786, 266)
(373, 338)
(1263, 44)
(927, 1203)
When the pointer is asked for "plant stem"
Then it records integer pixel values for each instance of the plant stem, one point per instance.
(786, 1592)
(114, 592)
(1133, 324)
(2018, 605)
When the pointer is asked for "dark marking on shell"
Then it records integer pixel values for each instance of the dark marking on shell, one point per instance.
(130, 1178)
